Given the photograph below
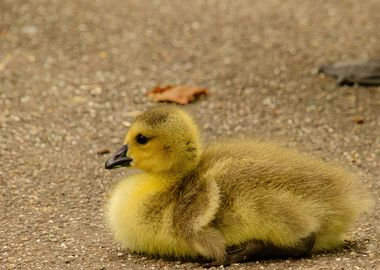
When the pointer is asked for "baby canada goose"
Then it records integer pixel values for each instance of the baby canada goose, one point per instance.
(229, 202)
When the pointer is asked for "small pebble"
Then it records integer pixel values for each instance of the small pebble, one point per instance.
(103, 151)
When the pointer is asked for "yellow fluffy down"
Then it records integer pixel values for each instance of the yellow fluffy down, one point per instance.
(190, 201)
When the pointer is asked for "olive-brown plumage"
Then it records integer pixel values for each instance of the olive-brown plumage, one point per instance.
(228, 202)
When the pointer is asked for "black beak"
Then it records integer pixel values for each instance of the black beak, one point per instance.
(119, 159)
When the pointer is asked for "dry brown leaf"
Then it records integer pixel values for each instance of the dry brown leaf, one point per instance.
(180, 94)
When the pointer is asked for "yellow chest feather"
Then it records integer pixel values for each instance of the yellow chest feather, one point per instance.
(125, 215)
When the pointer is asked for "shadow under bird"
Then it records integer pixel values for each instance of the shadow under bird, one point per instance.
(228, 202)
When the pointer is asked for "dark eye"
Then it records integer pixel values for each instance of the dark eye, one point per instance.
(141, 139)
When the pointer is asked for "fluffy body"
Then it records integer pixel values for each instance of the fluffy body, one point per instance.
(191, 202)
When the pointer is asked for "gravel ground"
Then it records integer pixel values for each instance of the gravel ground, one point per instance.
(73, 74)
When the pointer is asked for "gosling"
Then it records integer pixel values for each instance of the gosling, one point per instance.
(230, 202)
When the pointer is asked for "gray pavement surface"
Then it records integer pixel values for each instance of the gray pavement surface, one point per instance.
(73, 74)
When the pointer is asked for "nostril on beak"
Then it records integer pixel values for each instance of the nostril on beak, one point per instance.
(119, 159)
